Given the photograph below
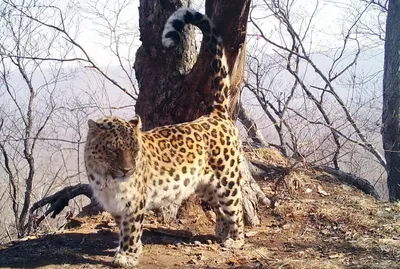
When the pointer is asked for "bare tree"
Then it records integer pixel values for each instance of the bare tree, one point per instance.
(391, 99)
(114, 23)
(310, 92)
(182, 93)
(23, 116)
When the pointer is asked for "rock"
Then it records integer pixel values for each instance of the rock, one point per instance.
(250, 234)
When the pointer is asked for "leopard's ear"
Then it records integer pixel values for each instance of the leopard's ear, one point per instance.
(136, 121)
(93, 125)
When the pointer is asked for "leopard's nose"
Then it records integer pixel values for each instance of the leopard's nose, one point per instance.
(126, 170)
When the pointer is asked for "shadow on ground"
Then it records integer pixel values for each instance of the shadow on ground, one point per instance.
(74, 248)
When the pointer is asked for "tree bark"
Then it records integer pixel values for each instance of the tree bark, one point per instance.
(251, 128)
(172, 89)
(391, 100)
(160, 71)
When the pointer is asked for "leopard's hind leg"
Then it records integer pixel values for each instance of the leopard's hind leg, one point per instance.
(225, 196)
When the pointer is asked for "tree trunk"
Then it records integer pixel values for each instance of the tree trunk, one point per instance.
(251, 127)
(170, 90)
(391, 100)
(159, 71)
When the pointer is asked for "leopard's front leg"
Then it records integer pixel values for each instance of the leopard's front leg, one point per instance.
(130, 243)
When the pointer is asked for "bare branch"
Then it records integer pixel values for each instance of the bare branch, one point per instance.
(62, 30)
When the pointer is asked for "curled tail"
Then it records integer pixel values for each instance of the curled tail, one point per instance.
(172, 35)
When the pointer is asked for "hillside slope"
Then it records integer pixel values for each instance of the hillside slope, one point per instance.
(311, 224)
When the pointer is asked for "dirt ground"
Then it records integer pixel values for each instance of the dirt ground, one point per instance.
(311, 224)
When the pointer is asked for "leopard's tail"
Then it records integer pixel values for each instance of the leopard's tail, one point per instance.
(172, 35)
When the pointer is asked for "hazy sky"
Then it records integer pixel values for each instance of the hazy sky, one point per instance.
(331, 17)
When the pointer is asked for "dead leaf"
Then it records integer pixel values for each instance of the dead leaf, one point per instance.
(192, 261)
(232, 262)
(336, 256)
(322, 191)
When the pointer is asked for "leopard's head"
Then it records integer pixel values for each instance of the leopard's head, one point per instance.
(113, 146)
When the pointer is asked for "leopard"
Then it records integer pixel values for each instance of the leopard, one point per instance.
(132, 171)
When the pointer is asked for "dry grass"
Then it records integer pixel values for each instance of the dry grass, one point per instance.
(327, 225)
(269, 156)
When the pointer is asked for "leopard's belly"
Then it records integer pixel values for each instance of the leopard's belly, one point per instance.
(172, 192)
(117, 196)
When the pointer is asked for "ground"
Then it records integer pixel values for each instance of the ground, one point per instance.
(314, 222)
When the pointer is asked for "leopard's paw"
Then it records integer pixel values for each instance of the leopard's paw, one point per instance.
(125, 261)
(234, 244)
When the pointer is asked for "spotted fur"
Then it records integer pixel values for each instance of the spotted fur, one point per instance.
(131, 171)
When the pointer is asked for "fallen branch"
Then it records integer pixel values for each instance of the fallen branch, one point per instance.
(58, 202)
(261, 169)
(350, 179)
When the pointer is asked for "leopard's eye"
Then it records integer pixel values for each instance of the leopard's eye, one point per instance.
(111, 152)
(109, 146)
(113, 155)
